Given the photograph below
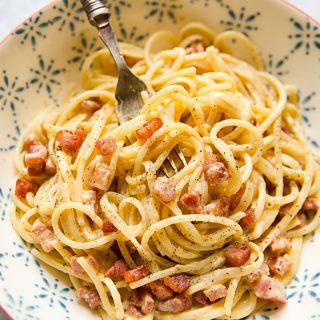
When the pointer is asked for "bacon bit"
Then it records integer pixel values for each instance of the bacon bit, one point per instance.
(70, 141)
(100, 176)
(108, 226)
(262, 271)
(89, 198)
(214, 169)
(143, 299)
(106, 146)
(178, 283)
(78, 270)
(133, 311)
(117, 270)
(218, 207)
(31, 140)
(209, 159)
(217, 291)
(195, 47)
(135, 274)
(280, 265)
(177, 304)
(36, 157)
(270, 289)
(164, 189)
(76, 267)
(200, 298)
(280, 245)
(237, 255)
(90, 296)
(149, 128)
(160, 290)
(235, 198)
(310, 203)
(24, 186)
(147, 303)
(50, 168)
(44, 235)
(249, 220)
(91, 105)
(303, 220)
(192, 202)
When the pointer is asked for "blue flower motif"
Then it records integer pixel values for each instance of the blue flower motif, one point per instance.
(33, 29)
(132, 35)
(45, 76)
(162, 8)
(307, 285)
(54, 293)
(83, 50)
(3, 264)
(117, 5)
(307, 107)
(276, 67)
(10, 94)
(306, 36)
(240, 21)
(206, 2)
(5, 199)
(23, 252)
(69, 14)
(19, 309)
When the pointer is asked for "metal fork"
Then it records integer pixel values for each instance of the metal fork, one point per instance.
(129, 86)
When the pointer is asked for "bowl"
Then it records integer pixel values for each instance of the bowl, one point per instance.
(43, 55)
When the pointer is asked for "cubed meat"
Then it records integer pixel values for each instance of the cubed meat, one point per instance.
(192, 202)
(149, 128)
(164, 189)
(237, 255)
(178, 283)
(135, 274)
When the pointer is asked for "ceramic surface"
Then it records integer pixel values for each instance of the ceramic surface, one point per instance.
(44, 54)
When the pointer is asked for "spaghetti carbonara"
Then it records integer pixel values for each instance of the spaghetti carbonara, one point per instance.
(218, 236)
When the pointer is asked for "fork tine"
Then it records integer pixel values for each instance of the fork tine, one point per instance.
(165, 171)
(172, 163)
(180, 155)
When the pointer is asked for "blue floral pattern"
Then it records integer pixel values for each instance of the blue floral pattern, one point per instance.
(5, 199)
(241, 20)
(83, 50)
(3, 264)
(306, 285)
(54, 293)
(68, 15)
(162, 9)
(45, 76)
(10, 95)
(33, 30)
(19, 309)
(38, 80)
(305, 36)
(275, 66)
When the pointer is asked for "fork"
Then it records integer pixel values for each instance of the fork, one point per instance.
(129, 86)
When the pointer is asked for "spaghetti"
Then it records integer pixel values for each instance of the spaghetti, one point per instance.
(218, 238)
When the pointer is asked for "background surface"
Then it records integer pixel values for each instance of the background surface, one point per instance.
(14, 11)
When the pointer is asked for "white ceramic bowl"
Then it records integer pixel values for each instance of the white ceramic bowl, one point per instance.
(45, 53)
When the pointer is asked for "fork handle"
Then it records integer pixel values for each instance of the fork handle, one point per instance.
(98, 14)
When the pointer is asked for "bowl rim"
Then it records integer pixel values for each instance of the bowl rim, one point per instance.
(284, 3)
